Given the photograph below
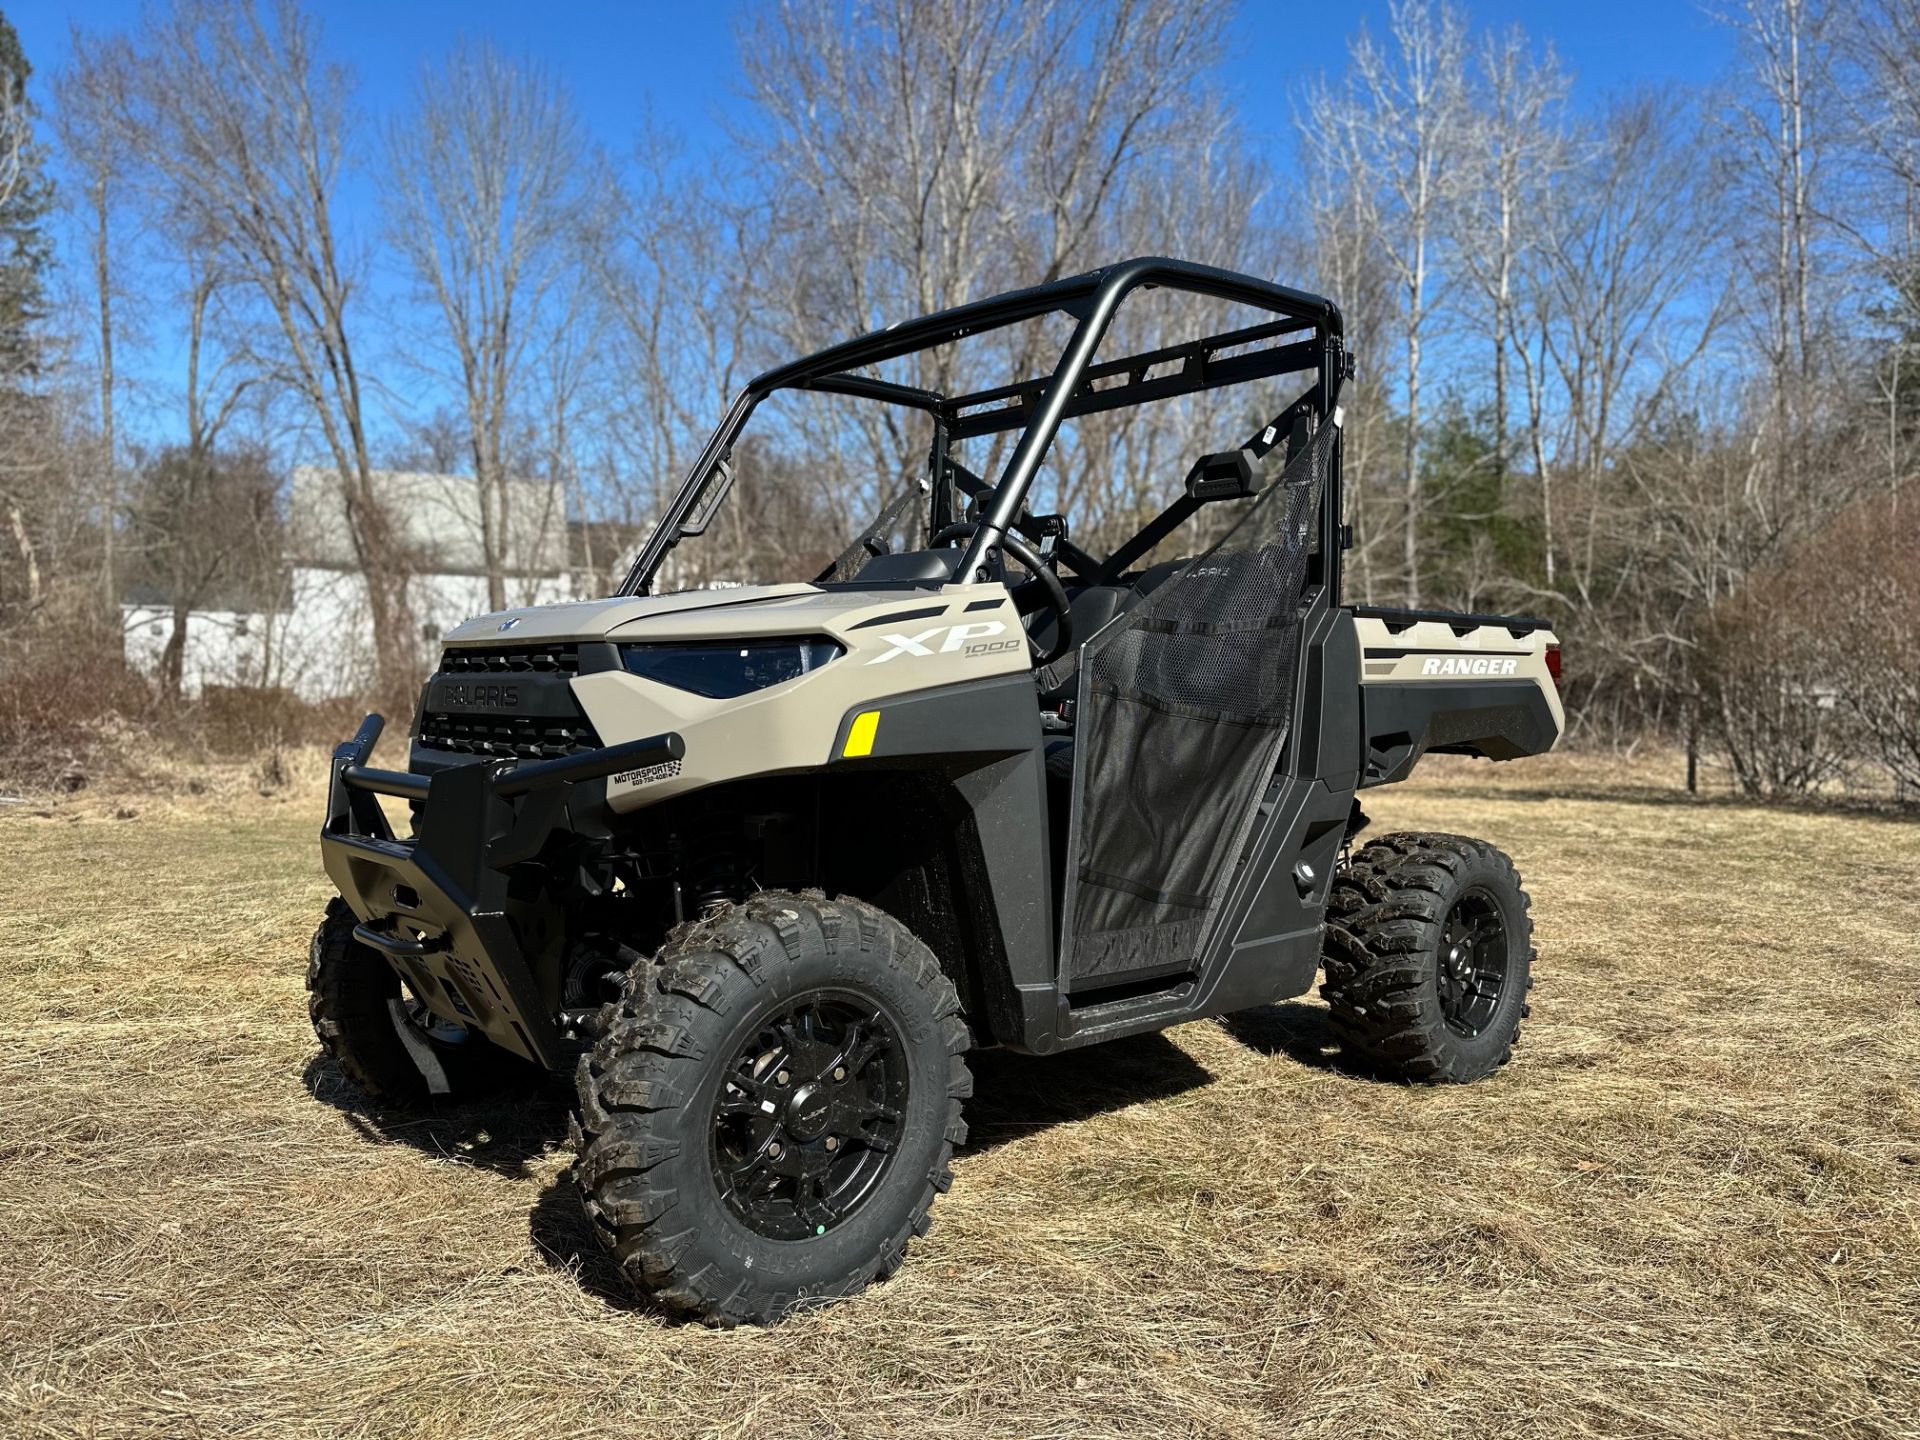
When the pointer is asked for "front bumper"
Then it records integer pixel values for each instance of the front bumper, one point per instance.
(436, 903)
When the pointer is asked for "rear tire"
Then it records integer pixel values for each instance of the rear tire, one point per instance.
(375, 1033)
(771, 1108)
(1429, 957)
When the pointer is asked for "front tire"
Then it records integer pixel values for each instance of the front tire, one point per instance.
(1429, 957)
(771, 1109)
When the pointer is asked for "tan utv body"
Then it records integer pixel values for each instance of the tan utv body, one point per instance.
(966, 632)
(759, 864)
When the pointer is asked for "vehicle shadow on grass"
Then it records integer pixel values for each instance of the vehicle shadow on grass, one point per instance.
(1015, 1096)
(564, 1239)
(1299, 1032)
(513, 1135)
(505, 1133)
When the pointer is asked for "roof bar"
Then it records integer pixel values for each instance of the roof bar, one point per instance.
(1146, 360)
(1199, 373)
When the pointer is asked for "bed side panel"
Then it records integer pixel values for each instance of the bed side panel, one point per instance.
(1465, 687)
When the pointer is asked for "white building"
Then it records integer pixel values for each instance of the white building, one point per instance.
(315, 637)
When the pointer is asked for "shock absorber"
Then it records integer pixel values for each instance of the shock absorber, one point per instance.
(713, 853)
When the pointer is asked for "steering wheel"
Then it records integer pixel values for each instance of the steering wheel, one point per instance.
(1045, 585)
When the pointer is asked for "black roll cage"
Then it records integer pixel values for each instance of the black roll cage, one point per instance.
(1039, 406)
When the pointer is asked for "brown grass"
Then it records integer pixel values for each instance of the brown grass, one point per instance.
(1691, 1207)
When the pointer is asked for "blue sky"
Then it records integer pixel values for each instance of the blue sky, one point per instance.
(622, 59)
(618, 58)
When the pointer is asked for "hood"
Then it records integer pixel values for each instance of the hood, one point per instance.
(591, 619)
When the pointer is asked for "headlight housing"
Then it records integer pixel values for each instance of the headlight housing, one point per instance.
(720, 670)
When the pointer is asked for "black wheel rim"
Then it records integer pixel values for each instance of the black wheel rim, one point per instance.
(1473, 962)
(809, 1115)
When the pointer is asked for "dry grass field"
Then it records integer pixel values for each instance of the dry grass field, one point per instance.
(1691, 1207)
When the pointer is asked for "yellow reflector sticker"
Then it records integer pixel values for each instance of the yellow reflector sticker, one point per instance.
(860, 737)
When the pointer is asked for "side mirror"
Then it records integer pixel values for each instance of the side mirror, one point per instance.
(1228, 475)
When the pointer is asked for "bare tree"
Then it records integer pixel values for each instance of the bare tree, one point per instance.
(948, 148)
(200, 519)
(88, 96)
(1397, 127)
(486, 175)
(246, 126)
(1872, 94)
(1516, 147)
(925, 154)
(675, 256)
(1633, 300)
(21, 424)
(1777, 153)
(566, 387)
(16, 137)
(1345, 260)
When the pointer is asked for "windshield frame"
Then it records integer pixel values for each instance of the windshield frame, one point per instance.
(1040, 405)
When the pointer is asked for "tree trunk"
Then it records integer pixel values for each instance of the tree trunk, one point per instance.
(110, 500)
(29, 556)
(1412, 456)
(1500, 322)
(1693, 750)
(173, 658)
(486, 492)
(497, 556)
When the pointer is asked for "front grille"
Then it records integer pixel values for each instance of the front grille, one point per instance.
(502, 735)
(542, 721)
(543, 659)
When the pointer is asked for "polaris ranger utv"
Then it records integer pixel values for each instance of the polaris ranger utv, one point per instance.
(761, 863)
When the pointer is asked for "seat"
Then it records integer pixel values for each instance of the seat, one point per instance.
(1094, 608)
(1150, 580)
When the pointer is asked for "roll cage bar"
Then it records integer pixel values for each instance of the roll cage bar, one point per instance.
(1039, 406)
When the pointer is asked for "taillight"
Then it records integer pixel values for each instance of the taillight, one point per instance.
(1553, 664)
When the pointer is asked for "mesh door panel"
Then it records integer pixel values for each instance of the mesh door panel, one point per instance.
(1184, 705)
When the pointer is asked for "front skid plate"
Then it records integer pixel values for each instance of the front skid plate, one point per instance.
(473, 972)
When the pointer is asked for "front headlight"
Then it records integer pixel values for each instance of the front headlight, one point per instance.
(722, 671)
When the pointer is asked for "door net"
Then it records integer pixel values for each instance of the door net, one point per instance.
(1184, 704)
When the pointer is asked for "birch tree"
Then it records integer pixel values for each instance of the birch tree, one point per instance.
(1776, 162)
(1397, 128)
(486, 173)
(1516, 146)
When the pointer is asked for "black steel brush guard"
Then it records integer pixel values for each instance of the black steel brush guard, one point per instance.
(436, 903)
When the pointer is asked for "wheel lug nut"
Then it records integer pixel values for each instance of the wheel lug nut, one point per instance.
(832, 1143)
